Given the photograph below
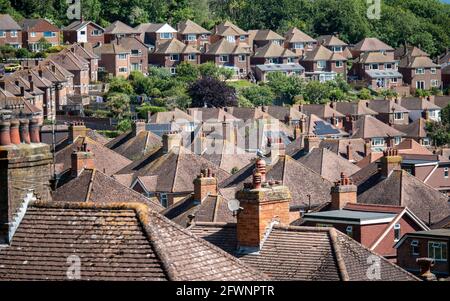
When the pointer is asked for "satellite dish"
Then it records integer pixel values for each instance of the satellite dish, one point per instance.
(234, 205)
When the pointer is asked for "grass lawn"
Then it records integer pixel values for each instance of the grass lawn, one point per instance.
(239, 84)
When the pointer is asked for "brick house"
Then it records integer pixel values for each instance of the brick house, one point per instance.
(119, 29)
(171, 53)
(10, 32)
(193, 34)
(376, 227)
(86, 53)
(81, 31)
(335, 44)
(273, 53)
(326, 112)
(154, 34)
(389, 111)
(36, 30)
(261, 37)
(231, 33)
(229, 55)
(299, 42)
(421, 107)
(417, 68)
(430, 244)
(114, 59)
(138, 53)
(367, 45)
(323, 64)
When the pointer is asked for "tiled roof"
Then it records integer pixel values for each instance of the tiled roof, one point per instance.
(134, 147)
(417, 103)
(94, 186)
(330, 40)
(174, 46)
(328, 164)
(403, 189)
(339, 147)
(226, 155)
(8, 23)
(211, 115)
(321, 53)
(323, 111)
(371, 44)
(417, 62)
(301, 181)
(369, 127)
(374, 57)
(273, 50)
(113, 242)
(167, 117)
(410, 146)
(78, 24)
(281, 112)
(416, 129)
(411, 51)
(38, 25)
(294, 35)
(224, 47)
(119, 27)
(264, 35)
(112, 48)
(354, 108)
(190, 27)
(386, 106)
(304, 253)
(228, 28)
(442, 101)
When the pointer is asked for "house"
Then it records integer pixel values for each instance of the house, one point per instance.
(291, 69)
(323, 64)
(327, 112)
(431, 244)
(418, 69)
(193, 34)
(170, 53)
(353, 111)
(119, 29)
(35, 32)
(368, 45)
(389, 111)
(375, 132)
(354, 150)
(261, 37)
(81, 31)
(416, 130)
(228, 55)
(299, 42)
(387, 184)
(420, 107)
(138, 53)
(87, 54)
(157, 242)
(377, 227)
(154, 34)
(231, 33)
(335, 44)
(263, 238)
(10, 32)
(272, 53)
(115, 60)
(18, 106)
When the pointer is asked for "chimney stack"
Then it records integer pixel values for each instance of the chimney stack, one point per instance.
(81, 159)
(367, 149)
(24, 131)
(297, 131)
(171, 140)
(349, 152)
(14, 131)
(228, 132)
(425, 265)
(390, 161)
(138, 126)
(205, 184)
(263, 205)
(77, 129)
(277, 149)
(35, 131)
(343, 192)
(5, 137)
(311, 142)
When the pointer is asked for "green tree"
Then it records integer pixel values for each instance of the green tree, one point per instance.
(285, 87)
(120, 85)
(365, 94)
(259, 95)
(316, 92)
(119, 104)
(187, 72)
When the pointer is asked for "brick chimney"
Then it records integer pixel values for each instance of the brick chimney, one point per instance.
(367, 149)
(35, 130)
(25, 172)
(342, 193)
(24, 129)
(277, 149)
(262, 206)
(303, 128)
(297, 131)
(5, 137)
(81, 159)
(349, 150)
(390, 161)
(205, 184)
(138, 126)
(311, 142)
(77, 129)
(171, 140)
(425, 265)
(14, 131)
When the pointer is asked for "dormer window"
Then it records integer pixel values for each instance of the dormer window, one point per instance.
(337, 49)
(166, 35)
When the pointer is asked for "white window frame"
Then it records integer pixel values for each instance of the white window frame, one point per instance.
(394, 80)
(397, 140)
(375, 141)
(338, 49)
(397, 232)
(191, 37)
(321, 64)
(400, 116)
(13, 33)
(435, 83)
(415, 248)
(123, 69)
(242, 38)
(298, 45)
(2, 34)
(386, 66)
(224, 56)
(96, 32)
(166, 35)
(426, 141)
(371, 67)
(339, 64)
(231, 39)
(446, 172)
(174, 57)
(138, 54)
(173, 70)
(437, 245)
(420, 71)
(241, 58)
(291, 60)
(122, 56)
(418, 84)
(192, 57)
(433, 70)
(32, 34)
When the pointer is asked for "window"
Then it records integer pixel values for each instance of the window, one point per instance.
(276, 42)
(437, 250)
(420, 71)
(388, 66)
(192, 57)
(32, 34)
(420, 85)
(426, 141)
(83, 33)
(242, 58)
(433, 70)
(96, 32)
(298, 46)
(122, 56)
(349, 231)
(242, 38)
(174, 57)
(339, 64)
(337, 49)
(377, 141)
(135, 52)
(13, 33)
(373, 66)
(398, 116)
(231, 39)
(204, 37)
(397, 140)
(191, 37)
(394, 80)
(163, 199)
(49, 34)
(123, 69)
(291, 60)
(397, 233)
(446, 172)
(173, 71)
(321, 64)
(435, 83)
(136, 67)
(165, 35)
(414, 247)
(223, 58)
